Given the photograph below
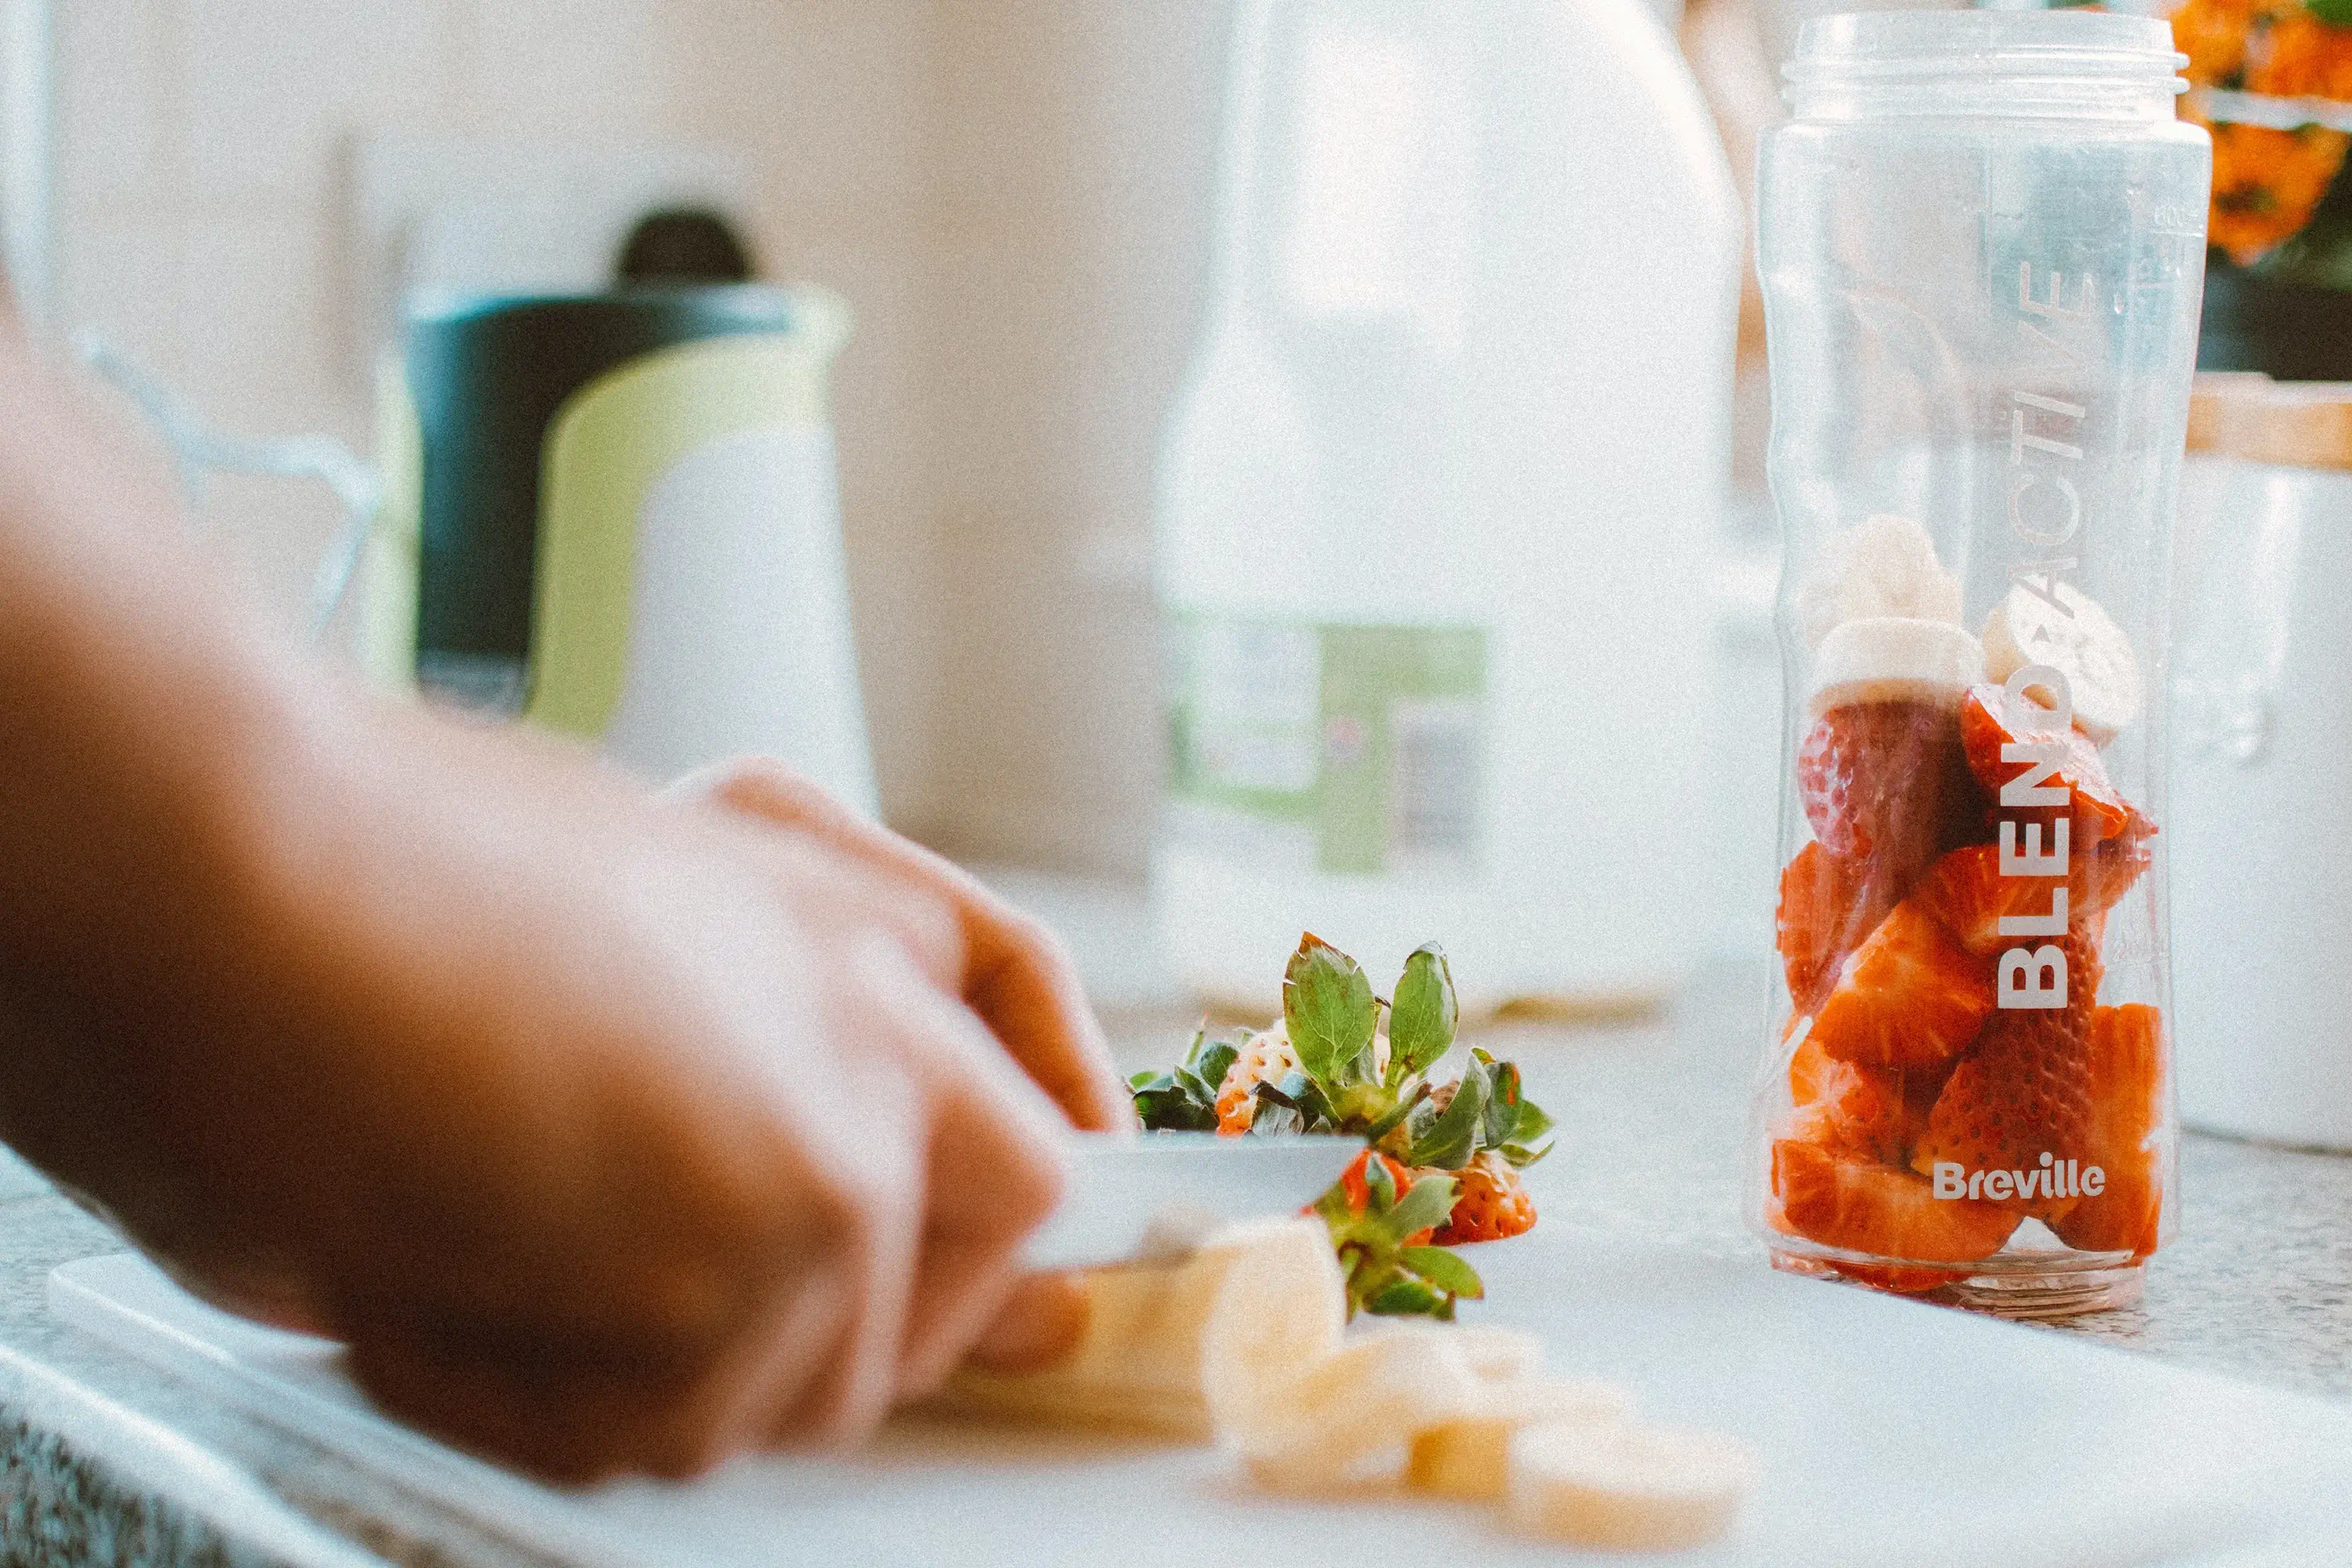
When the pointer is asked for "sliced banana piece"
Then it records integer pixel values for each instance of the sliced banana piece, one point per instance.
(1890, 659)
(1470, 1456)
(1884, 566)
(1496, 1354)
(1357, 1406)
(2077, 636)
(1627, 1485)
(1279, 1310)
(1141, 1361)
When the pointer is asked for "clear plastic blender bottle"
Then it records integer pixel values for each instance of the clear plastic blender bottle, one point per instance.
(1982, 241)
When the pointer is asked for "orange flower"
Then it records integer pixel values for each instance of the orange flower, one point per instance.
(2299, 56)
(2266, 184)
(2212, 33)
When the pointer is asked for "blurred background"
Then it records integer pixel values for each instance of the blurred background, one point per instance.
(1017, 201)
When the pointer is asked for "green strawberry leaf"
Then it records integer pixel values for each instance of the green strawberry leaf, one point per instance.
(1164, 1106)
(1422, 1018)
(1190, 1083)
(1425, 1206)
(1503, 1105)
(1274, 1117)
(1143, 1079)
(1306, 1096)
(1396, 1115)
(1327, 1004)
(1380, 1187)
(1532, 1124)
(1445, 1270)
(1452, 1138)
(1212, 1064)
(1408, 1299)
(1520, 1156)
(2335, 12)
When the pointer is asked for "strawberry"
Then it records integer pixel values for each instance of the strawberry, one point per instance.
(1264, 1058)
(1859, 1206)
(1910, 996)
(1967, 892)
(1494, 1204)
(1353, 1183)
(1878, 781)
(1876, 1113)
(1827, 904)
(1380, 1216)
(2126, 1063)
(2025, 1090)
(2098, 809)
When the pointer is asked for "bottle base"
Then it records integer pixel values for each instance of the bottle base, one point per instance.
(2028, 1288)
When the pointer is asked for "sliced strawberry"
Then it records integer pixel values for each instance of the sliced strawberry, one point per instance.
(1910, 996)
(1827, 904)
(2024, 1090)
(1878, 781)
(1866, 1112)
(1967, 893)
(1863, 1206)
(2099, 808)
(2126, 1062)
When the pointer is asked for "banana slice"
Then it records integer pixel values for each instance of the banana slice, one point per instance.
(1471, 1456)
(1884, 566)
(1343, 1422)
(1892, 658)
(1499, 1355)
(1279, 1310)
(2075, 635)
(1627, 1485)
(1142, 1362)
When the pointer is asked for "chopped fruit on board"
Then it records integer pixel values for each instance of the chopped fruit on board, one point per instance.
(2097, 810)
(1627, 1486)
(2022, 1100)
(1861, 1206)
(2126, 1063)
(1967, 893)
(1344, 1061)
(1494, 1204)
(1909, 996)
(1827, 904)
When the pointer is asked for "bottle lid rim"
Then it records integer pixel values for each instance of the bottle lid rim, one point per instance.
(1882, 45)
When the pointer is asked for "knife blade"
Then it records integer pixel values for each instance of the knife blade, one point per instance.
(1131, 1195)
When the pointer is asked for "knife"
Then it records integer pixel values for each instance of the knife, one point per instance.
(1132, 1197)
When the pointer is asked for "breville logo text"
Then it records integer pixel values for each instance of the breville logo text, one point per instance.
(2051, 1180)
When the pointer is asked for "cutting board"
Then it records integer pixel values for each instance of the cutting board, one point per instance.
(1891, 1433)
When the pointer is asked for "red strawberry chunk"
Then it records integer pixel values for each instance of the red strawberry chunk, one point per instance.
(2025, 1090)
(1866, 1112)
(1910, 996)
(1878, 782)
(2126, 1070)
(1967, 893)
(2097, 808)
(1827, 904)
(1493, 1205)
(1863, 1206)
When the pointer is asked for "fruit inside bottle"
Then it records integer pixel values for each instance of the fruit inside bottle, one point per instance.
(1953, 1108)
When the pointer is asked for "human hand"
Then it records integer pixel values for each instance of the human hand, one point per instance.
(610, 1136)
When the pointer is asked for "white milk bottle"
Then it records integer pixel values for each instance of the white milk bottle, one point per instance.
(1438, 504)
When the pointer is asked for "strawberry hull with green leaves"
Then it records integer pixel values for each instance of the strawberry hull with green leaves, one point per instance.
(1442, 1160)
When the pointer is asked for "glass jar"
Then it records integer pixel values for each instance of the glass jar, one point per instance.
(1982, 241)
